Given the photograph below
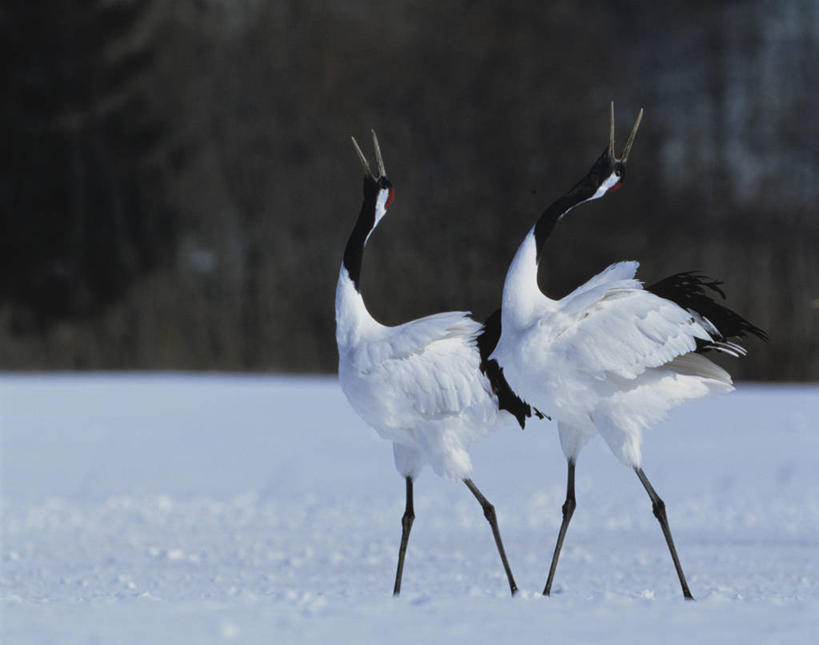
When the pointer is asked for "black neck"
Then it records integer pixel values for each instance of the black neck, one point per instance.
(557, 209)
(354, 251)
(580, 192)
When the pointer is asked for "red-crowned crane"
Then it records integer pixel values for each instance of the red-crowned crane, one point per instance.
(612, 357)
(424, 385)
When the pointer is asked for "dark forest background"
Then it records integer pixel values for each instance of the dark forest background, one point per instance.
(177, 179)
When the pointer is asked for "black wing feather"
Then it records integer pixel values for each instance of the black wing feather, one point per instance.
(690, 291)
(507, 399)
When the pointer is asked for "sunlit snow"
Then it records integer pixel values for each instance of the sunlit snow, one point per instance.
(197, 509)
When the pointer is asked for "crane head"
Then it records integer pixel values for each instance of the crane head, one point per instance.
(378, 191)
(376, 184)
(609, 171)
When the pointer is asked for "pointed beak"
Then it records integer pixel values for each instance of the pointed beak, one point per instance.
(611, 133)
(624, 158)
(362, 158)
(382, 172)
(631, 136)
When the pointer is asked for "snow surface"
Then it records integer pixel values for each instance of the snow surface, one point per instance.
(217, 508)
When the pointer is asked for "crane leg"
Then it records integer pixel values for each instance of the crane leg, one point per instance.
(406, 525)
(489, 513)
(568, 510)
(658, 506)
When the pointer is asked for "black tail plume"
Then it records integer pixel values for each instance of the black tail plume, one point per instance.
(690, 291)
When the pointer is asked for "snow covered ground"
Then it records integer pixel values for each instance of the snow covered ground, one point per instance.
(200, 509)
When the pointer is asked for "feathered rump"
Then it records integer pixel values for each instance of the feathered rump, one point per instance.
(641, 403)
(696, 365)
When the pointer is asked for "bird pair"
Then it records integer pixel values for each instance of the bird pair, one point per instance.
(611, 358)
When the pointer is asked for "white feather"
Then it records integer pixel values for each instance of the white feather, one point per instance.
(418, 385)
(609, 358)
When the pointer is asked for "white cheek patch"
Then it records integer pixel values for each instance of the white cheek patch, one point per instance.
(607, 185)
(611, 181)
(381, 205)
(380, 209)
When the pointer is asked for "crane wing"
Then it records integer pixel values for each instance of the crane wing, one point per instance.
(611, 325)
(431, 365)
(414, 337)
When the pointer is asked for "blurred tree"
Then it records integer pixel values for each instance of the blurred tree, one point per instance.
(83, 205)
(179, 183)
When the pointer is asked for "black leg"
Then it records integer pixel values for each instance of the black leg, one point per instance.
(489, 513)
(568, 509)
(659, 512)
(406, 525)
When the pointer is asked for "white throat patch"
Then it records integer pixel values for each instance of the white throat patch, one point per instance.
(611, 180)
(380, 209)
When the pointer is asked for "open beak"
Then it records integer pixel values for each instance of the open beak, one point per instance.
(382, 172)
(630, 140)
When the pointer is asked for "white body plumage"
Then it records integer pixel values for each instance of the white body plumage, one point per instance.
(609, 358)
(418, 385)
